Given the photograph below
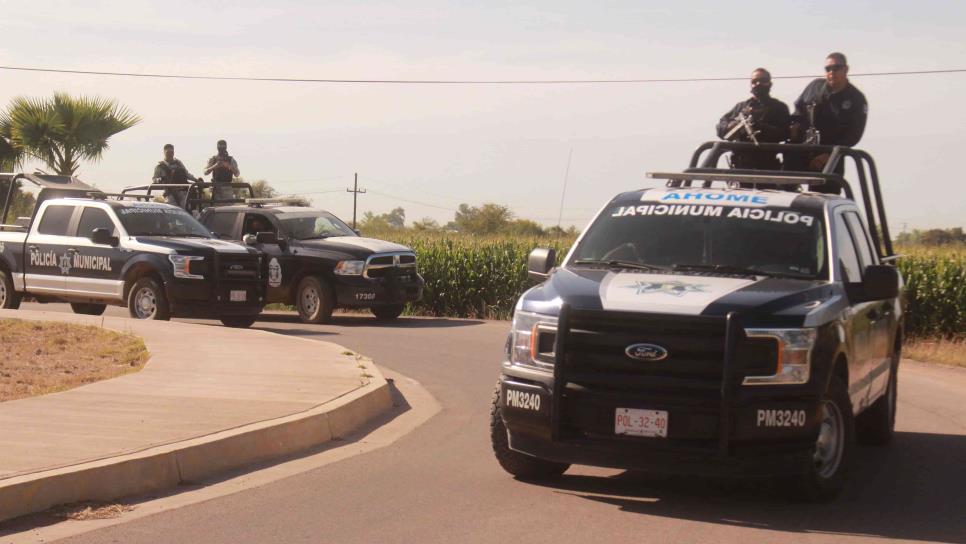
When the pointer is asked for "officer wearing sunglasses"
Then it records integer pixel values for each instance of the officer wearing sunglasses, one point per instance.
(840, 109)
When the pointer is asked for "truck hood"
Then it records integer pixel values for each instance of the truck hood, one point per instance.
(353, 246)
(194, 244)
(785, 302)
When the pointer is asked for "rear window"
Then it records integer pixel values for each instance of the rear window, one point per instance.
(55, 220)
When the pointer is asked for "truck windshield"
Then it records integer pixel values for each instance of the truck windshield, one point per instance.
(752, 240)
(309, 225)
(160, 221)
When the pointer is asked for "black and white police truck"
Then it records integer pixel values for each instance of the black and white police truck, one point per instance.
(82, 247)
(316, 262)
(709, 327)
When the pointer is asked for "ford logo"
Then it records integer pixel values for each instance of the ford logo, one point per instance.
(646, 352)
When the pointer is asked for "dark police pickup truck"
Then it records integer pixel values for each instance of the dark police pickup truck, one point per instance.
(709, 329)
(153, 258)
(317, 263)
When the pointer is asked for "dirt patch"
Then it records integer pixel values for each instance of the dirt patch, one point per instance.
(40, 357)
(946, 351)
(90, 510)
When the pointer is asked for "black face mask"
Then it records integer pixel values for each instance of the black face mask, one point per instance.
(761, 91)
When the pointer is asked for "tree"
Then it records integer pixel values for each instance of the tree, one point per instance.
(64, 130)
(21, 203)
(262, 189)
(524, 227)
(427, 224)
(487, 219)
(395, 219)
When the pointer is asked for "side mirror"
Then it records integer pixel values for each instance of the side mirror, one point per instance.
(249, 239)
(540, 262)
(880, 282)
(268, 237)
(103, 237)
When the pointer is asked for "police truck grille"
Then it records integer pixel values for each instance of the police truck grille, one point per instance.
(396, 265)
(242, 267)
(597, 358)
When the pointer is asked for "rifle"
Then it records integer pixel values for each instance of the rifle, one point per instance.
(812, 135)
(745, 124)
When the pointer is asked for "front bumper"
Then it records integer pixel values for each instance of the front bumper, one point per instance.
(359, 292)
(201, 298)
(758, 442)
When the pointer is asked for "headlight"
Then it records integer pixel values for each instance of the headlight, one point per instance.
(350, 268)
(532, 338)
(183, 268)
(794, 356)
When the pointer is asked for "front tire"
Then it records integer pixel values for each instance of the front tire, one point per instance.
(148, 301)
(313, 300)
(388, 312)
(238, 321)
(833, 448)
(524, 467)
(87, 309)
(9, 299)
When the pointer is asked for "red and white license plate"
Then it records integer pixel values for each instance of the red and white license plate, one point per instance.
(634, 422)
(238, 296)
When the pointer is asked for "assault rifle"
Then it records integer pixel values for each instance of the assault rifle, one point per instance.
(745, 124)
(812, 135)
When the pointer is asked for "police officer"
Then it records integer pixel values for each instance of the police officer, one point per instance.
(223, 169)
(172, 170)
(839, 109)
(768, 117)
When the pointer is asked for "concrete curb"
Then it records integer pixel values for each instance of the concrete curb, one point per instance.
(167, 466)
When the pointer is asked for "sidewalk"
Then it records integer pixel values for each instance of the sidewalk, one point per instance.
(210, 399)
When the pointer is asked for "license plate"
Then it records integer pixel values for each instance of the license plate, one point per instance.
(239, 296)
(634, 422)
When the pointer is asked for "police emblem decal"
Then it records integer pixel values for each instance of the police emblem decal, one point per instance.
(846, 104)
(673, 288)
(274, 273)
(64, 264)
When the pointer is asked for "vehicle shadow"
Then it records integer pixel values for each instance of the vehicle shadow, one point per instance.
(366, 320)
(913, 489)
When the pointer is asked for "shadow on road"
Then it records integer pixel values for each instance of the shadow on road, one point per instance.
(913, 489)
(365, 320)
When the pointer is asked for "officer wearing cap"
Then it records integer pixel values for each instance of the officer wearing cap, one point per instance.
(769, 119)
(223, 169)
(839, 109)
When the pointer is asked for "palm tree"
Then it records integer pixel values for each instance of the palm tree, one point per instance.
(64, 130)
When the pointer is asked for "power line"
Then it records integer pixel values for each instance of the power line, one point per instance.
(456, 81)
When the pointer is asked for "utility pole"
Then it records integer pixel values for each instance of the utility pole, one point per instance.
(355, 194)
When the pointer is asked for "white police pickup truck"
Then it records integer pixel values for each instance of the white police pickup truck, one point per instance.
(704, 329)
(156, 259)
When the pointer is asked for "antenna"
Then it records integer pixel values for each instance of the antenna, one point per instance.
(563, 193)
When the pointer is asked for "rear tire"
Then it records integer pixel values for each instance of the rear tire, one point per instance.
(833, 448)
(313, 300)
(388, 312)
(148, 301)
(876, 426)
(9, 299)
(87, 309)
(524, 467)
(238, 321)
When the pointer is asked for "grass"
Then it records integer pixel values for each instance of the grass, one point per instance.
(40, 357)
(944, 351)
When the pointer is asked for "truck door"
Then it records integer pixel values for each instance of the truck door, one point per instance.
(281, 261)
(47, 262)
(860, 320)
(880, 315)
(96, 267)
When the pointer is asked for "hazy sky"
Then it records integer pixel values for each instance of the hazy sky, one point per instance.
(429, 148)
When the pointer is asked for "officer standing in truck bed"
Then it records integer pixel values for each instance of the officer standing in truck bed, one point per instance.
(769, 120)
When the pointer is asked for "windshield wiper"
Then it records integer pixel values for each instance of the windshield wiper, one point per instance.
(316, 237)
(617, 263)
(730, 269)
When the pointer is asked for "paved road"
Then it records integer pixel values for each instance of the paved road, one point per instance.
(441, 483)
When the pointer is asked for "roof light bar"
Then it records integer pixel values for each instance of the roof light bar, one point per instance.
(737, 178)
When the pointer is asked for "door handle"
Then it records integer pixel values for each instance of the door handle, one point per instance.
(71, 250)
(32, 248)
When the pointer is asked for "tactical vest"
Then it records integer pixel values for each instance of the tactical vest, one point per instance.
(173, 173)
(222, 175)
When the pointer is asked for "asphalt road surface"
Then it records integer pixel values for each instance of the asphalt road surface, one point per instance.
(440, 483)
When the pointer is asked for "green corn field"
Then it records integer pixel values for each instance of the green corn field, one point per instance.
(483, 277)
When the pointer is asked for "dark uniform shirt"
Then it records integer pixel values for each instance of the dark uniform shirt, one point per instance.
(839, 117)
(171, 172)
(223, 175)
(770, 118)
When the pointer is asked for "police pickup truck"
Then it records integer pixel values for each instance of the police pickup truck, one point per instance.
(710, 329)
(81, 248)
(316, 262)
